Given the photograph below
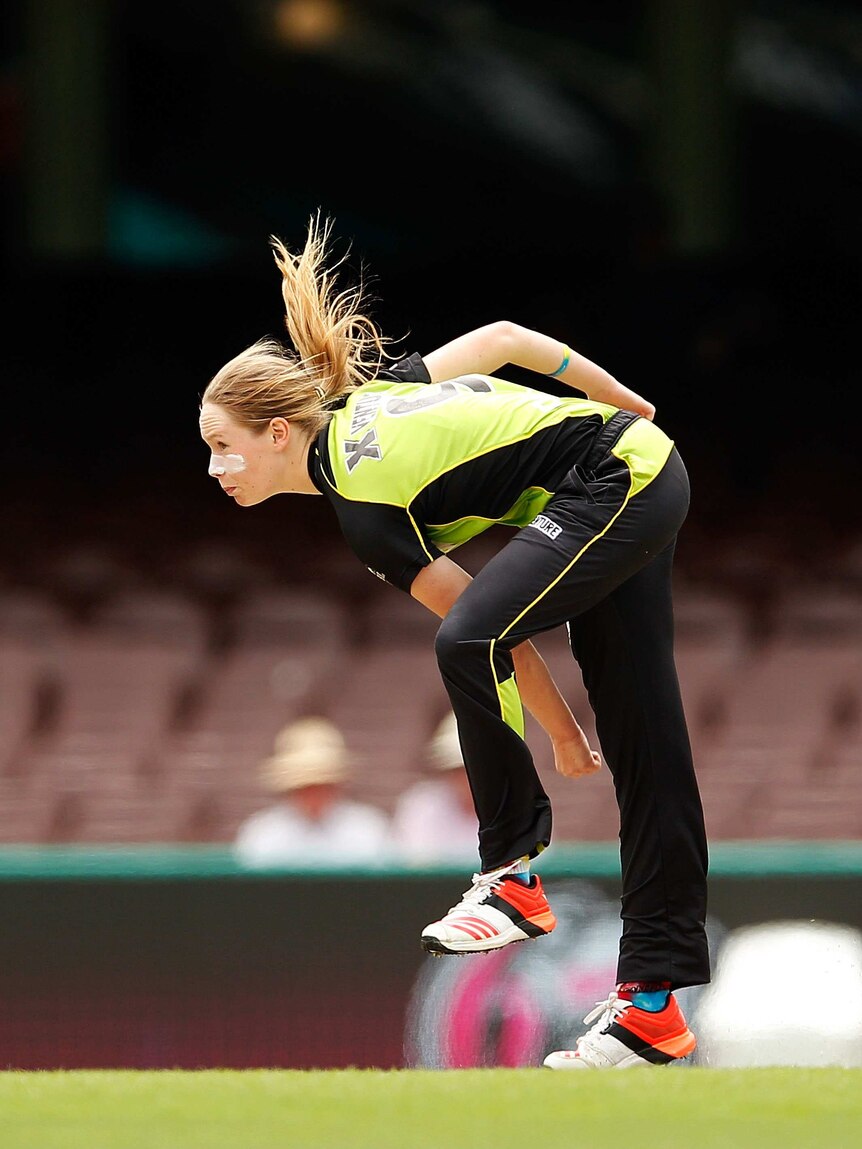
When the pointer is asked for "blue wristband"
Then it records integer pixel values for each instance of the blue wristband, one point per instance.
(563, 365)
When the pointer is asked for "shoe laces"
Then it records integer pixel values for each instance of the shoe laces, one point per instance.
(607, 1012)
(483, 886)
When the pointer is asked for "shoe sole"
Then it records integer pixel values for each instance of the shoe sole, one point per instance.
(632, 1062)
(437, 948)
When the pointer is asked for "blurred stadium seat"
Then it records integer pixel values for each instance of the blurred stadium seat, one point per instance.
(281, 653)
(802, 682)
(388, 694)
(31, 626)
(215, 571)
(712, 643)
(780, 763)
(123, 688)
(283, 648)
(152, 616)
(29, 616)
(81, 575)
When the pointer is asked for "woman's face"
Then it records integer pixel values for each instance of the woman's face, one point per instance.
(245, 462)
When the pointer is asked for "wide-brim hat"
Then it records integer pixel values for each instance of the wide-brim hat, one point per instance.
(444, 749)
(308, 752)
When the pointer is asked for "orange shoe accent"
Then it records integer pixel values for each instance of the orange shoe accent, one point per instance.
(529, 901)
(665, 1030)
(545, 921)
(680, 1046)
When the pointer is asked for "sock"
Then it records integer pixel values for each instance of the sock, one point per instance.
(521, 871)
(647, 995)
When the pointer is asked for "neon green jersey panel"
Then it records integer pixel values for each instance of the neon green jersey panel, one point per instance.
(391, 440)
(447, 536)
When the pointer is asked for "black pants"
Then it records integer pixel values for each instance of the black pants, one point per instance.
(600, 561)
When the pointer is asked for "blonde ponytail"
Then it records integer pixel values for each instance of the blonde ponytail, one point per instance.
(336, 346)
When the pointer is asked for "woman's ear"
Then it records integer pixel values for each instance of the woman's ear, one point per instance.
(279, 429)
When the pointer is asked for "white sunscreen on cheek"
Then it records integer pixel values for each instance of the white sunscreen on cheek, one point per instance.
(226, 465)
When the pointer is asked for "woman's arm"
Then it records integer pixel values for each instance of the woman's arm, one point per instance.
(487, 349)
(437, 587)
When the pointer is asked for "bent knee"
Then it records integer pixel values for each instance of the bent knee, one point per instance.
(457, 637)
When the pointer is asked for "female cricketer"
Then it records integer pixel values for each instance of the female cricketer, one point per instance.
(419, 454)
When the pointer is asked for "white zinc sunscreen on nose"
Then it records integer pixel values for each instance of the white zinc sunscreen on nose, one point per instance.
(226, 465)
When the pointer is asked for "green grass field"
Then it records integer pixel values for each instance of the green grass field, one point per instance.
(426, 1109)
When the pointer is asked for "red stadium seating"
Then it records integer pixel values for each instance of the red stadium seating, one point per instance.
(146, 717)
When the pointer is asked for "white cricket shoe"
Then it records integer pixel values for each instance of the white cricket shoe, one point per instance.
(625, 1036)
(497, 910)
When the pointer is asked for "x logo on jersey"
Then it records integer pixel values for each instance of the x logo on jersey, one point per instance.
(365, 448)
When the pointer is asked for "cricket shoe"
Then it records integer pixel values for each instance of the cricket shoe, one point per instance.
(625, 1036)
(496, 911)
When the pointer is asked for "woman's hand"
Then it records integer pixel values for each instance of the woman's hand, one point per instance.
(573, 757)
(613, 392)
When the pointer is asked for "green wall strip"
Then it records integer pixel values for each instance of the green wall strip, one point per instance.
(741, 859)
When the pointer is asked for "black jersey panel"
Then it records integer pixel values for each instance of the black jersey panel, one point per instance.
(490, 484)
(386, 539)
(409, 370)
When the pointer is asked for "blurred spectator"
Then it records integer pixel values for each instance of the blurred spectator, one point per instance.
(434, 819)
(312, 820)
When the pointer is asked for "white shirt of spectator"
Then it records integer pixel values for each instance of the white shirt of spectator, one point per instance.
(349, 833)
(430, 824)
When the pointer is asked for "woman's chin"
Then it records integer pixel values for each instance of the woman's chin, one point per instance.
(246, 499)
